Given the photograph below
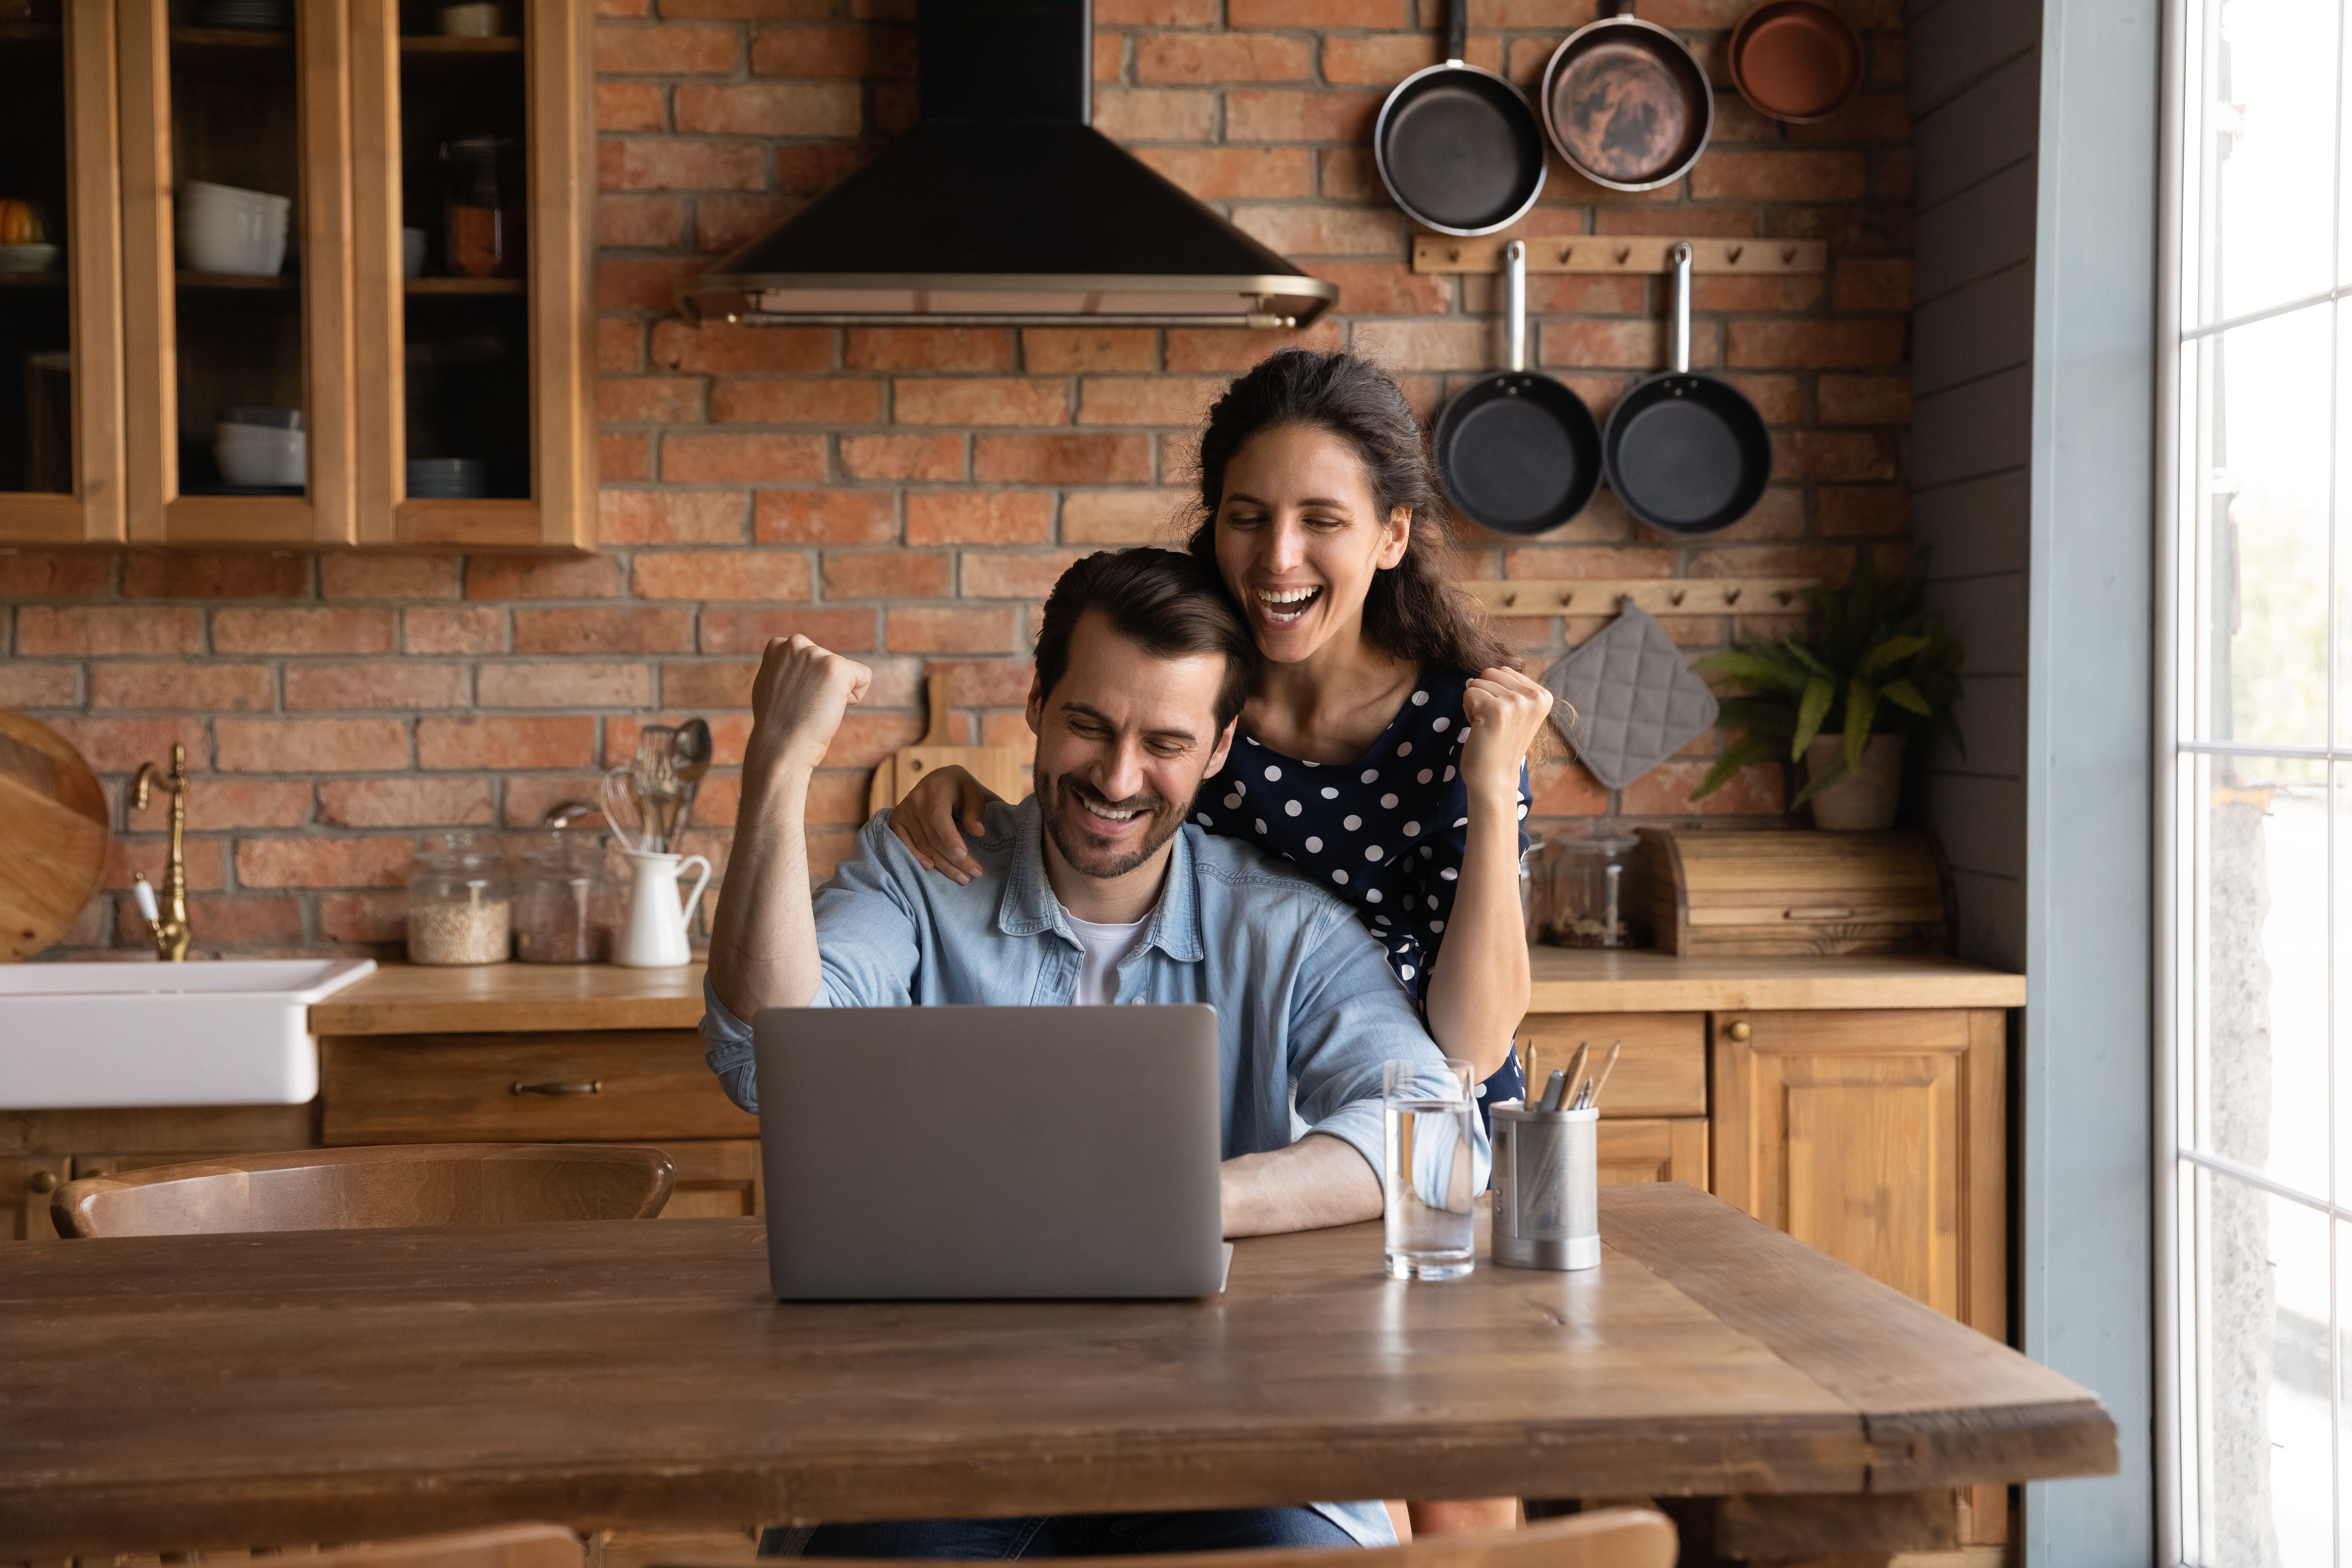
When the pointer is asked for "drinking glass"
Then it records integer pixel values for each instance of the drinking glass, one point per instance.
(1426, 1104)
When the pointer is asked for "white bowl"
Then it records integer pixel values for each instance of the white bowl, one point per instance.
(28, 257)
(258, 455)
(223, 229)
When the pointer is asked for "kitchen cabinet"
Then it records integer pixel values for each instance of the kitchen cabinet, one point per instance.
(28, 1182)
(345, 120)
(61, 321)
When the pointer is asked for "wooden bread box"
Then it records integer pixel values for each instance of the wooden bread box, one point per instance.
(1732, 893)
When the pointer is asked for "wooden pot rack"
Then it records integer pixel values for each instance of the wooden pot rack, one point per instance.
(1617, 253)
(1658, 596)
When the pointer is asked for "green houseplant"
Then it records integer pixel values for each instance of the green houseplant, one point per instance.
(1879, 665)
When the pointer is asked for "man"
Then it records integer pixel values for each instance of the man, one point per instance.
(1095, 890)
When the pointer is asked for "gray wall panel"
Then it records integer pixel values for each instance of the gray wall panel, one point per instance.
(1982, 820)
(1992, 918)
(1978, 428)
(1982, 327)
(1975, 232)
(1954, 42)
(1990, 714)
(1987, 615)
(1985, 128)
(1974, 525)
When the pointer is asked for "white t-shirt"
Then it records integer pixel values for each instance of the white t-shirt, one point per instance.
(1106, 947)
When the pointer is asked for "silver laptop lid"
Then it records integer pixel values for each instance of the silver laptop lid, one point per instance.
(922, 1152)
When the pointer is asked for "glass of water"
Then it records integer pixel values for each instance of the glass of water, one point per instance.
(1428, 1171)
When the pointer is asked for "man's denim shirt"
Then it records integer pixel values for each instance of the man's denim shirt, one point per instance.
(1305, 1001)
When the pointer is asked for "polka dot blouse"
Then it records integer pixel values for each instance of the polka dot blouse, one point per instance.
(1387, 832)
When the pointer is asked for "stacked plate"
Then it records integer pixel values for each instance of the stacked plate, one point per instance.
(447, 478)
(247, 16)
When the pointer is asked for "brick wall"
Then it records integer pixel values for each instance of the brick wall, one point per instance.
(907, 495)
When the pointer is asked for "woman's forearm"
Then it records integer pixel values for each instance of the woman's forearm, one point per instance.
(1478, 989)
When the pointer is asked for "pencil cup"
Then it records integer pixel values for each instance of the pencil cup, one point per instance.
(1547, 1188)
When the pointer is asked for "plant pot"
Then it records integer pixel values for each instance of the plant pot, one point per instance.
(1864, 800)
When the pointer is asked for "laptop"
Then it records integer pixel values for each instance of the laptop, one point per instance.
(918, 1153)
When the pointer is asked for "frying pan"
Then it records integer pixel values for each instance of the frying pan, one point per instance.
(1459, 147)
(1685, 453)
(1626, 102)
(1517, 451)
(1797, 60)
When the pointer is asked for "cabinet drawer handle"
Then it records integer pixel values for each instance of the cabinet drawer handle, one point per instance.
(1819, 913)
(596, 1087)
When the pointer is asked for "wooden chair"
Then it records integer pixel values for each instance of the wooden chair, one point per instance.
(1612, 1538)
(364, 1189)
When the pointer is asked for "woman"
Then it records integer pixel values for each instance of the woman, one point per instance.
(1370, 753)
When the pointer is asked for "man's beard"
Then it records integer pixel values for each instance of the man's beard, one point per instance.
(1065, 820)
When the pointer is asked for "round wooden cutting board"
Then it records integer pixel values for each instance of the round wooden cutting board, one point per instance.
(53, 835)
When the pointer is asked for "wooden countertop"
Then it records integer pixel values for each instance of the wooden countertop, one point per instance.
(406, 999)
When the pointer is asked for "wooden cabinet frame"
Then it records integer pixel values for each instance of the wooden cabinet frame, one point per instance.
(559, 91)
(93, 513)
(160, 514)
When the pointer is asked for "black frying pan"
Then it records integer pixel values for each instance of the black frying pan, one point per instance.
(1459, 148)
(1627, 103)
(1517, 451)
(1685, 453)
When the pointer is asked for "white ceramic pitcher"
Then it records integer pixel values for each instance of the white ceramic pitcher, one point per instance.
(654, 934)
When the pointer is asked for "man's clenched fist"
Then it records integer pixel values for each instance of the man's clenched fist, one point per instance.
(797, 703)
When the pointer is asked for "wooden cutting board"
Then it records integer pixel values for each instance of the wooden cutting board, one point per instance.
(1005, 769)
(53, 835)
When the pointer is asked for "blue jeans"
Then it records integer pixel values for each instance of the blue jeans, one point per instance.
(1073, 1534)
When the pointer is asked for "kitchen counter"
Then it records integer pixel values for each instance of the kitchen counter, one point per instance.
(519, 998)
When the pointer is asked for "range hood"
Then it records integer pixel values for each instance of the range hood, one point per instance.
(1005, 206)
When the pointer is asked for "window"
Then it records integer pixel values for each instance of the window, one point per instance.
(2259, 747)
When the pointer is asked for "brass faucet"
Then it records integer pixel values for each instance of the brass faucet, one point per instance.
(170, 935)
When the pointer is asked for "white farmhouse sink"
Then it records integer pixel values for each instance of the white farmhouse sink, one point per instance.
(230, 1033)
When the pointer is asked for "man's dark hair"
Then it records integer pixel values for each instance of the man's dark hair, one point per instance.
(1166, 603)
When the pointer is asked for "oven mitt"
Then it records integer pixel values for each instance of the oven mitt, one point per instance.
(1636, 702)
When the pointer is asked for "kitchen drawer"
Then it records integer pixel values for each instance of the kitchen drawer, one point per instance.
(1662, 1073)
(29, 1183)
(718, 1178)
(596, 1085)
(1653, 1149)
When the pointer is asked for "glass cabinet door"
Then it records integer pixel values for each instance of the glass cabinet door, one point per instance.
(236, 270)
(473, 205)
(60, 341)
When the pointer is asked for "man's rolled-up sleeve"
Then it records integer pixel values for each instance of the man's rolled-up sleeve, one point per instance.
(867, 952)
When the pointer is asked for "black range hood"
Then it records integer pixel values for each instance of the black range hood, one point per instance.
(1005, 206)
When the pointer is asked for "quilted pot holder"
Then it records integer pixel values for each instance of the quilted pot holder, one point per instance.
(1636, 702)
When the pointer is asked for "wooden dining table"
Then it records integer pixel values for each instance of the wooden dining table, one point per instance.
(219, 1391)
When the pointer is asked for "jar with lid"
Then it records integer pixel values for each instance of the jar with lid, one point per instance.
(1592, 893)
(457, 904)
(566, 904)
(482, 207)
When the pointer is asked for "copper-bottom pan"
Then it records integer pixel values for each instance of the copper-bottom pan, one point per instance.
(1627, 104)
(1796, 60)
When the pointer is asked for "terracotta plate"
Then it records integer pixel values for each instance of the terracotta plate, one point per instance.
(1796, 60)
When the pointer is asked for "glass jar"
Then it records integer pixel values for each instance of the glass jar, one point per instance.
(566, 906)
(1533, 876)
(482, 207)
(457, 904)
(1592, 893)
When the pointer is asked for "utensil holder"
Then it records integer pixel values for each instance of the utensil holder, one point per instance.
(1547, 1188)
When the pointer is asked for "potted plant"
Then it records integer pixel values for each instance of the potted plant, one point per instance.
(1844, 700)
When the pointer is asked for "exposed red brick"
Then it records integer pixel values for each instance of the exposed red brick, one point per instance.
(215, 802)
(1066, 348)
(620, 344)
(1297, 231)
(204, 575)
(207, 862)
(669, 517)
(1780, 399)
(1062, 460)
(1845, 511)
(806, 168)
(1679, 221)
(566, 683)
(865, 739)
(1871, 117)
(44, 630)
(814, 400)
(324, 862)
(1156, 14)
(722, 223)
(727, 737)
(1873, 283)
(1566, 788)
(646, 223)
(1236, 348)
(984, 517)
(474, 628)
(54, 574)
(1385, 289)
(887, 573)
(223, 921)
(640, 283)
(637, 629)
(824, 517)
(543, 577)
(1222, 57)
(669, 49)
(1124, 516)
(1218, 174)
(364, 917)
(767, 109)
(1776, 291)
(715, 347)
(749, 630)
(1831, 564)
(939, 349)
(1349, 174)
(1551, 561)
(1390, 58)
(1147, 400)
(675, 163)
(388, 576)
(835, 795)
(1815, 345)
(622, 456)
(918, 630)
(994, 575)
(381, 683)
(720, 574)
(405, 802)
(1435, 345)
(343, 629)
(630, 106)
(981, 400)
(748, 10)
(1666, 790)
(902, 457)
(864, 53)
(1865, 399)
(712, 684)
(26, 685)
(183, 688)
(1160, 114)
(1256, 114)
(1321, 13)
(741, 460)
(506, 742)
(1009, 730)
(1807, 455)
(311, 745)
(994, 683)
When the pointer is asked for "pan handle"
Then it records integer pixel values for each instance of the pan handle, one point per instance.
(1515, 305)
(1458, 32)
(1682, 259)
